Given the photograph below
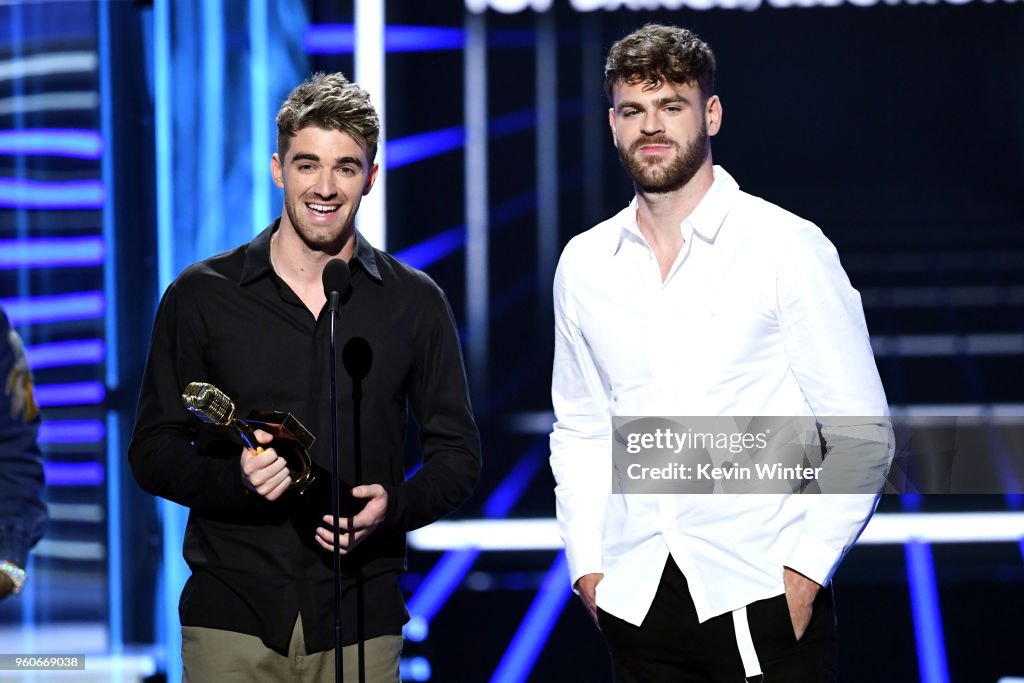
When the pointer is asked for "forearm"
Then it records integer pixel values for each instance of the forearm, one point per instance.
(23, 514)
(582, 475)
(438, 488)
(856, 460)
(165, 463)
(450, 441)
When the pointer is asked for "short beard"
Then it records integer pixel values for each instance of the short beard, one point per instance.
(677, 174)
(332, 247)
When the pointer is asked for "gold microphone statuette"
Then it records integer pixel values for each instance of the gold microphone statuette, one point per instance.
(292, 440)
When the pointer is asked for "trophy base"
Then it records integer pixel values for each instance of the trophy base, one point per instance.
(292, 442)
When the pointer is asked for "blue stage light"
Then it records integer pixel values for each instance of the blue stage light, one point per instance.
(21, 193)
(424, 145)
(924, 602)
(414, 669)
(416, 629)
(61, 142)
(340, 39)
(63, 353)
(512, 122)
(434, 249)
(451, 569)
(437, 587)
(51, 252)
(529, 639)
(510, 490)
(73, 473)
(54, 308)
(71, 394)
(71, 431)
(334, 39)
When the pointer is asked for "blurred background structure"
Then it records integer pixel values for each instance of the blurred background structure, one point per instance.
(135, 138)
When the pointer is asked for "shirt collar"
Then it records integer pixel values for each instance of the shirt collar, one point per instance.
(257, 256)
(366, 256)
(705, 220)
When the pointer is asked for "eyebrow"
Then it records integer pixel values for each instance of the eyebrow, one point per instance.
(310, 156)
(660, 102)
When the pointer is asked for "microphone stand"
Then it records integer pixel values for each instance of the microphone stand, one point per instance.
(333, 298)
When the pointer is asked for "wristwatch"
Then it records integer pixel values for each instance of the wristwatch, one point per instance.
(15, 573)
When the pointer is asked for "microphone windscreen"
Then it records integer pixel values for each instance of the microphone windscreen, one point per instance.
(336, 277)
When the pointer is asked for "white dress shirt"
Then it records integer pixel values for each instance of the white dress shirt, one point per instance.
(755, 318)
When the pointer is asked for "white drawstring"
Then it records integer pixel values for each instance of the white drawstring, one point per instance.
(751, 665)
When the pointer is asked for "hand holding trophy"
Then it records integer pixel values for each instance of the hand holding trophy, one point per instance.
(289, 437)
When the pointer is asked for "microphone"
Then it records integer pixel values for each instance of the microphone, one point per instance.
(337, 279)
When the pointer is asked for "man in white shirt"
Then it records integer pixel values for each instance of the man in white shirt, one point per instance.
(701, 300)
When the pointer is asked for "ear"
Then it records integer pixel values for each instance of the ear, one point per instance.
(611, 124)
(371, 178)
(277, 171)
(713, 114)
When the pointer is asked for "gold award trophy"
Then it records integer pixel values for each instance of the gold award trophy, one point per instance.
(292, 440)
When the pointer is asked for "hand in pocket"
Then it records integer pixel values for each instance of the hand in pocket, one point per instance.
(800, 594)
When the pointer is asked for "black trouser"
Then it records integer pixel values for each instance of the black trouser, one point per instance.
(671, 646)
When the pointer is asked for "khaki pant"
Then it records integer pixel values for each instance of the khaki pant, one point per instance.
(215, 656)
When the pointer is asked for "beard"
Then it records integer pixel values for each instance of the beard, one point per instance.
(325, 238)
(652, 178)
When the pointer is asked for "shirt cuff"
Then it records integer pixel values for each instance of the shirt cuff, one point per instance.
(814, 559)
(14, 544)
(583, 559)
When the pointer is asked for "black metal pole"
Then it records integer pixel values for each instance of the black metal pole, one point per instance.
(339, 675)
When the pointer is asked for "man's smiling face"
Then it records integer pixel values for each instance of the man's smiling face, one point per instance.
(324, 175)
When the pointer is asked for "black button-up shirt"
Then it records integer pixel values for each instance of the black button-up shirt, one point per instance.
(232, 322)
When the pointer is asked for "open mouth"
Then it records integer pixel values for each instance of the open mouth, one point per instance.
(323, 209)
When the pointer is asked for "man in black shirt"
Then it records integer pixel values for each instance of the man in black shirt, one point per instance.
(253, 323)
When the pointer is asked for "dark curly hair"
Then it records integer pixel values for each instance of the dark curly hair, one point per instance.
(656, 53)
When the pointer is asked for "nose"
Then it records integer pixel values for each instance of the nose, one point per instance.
(651, 125)
(325, 184)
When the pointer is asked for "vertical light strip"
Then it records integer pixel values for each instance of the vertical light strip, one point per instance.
(28, 598)
(370, 74)
(261, 121)
(546, 97)
(174, 571)
(477, 217)
(109, 208)
(18, 92)
(517, 662)
(211, 129)
(115, 582)
(924, 602)
(164, 131)
(115, 576)
(595, 136)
